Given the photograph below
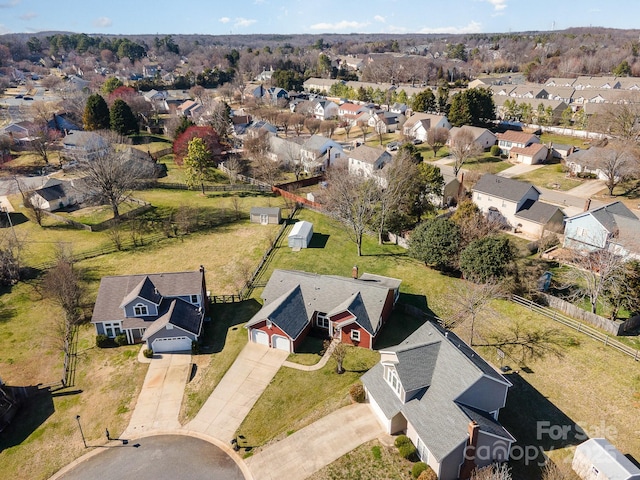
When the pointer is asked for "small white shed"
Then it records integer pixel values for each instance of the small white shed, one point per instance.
(598, 459)
(301, 234)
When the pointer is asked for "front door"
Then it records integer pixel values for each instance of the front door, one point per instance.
(264, 219)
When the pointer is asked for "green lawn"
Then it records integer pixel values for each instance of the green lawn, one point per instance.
(302, 397)
(486, 164)
(562, 139)
(550, 176)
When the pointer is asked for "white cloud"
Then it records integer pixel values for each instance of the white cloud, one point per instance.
(396, 29)
(379, 18)
(243, 22)
(498, 5)
(472, 27)
(102, 22)
(342, 25)
(10, 3)
(224, 20)
(28, 16)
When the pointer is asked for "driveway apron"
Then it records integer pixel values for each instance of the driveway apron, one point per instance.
(160, 399)
(308, 450)
(238, 391)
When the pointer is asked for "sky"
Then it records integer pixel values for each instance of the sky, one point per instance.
(222, 17)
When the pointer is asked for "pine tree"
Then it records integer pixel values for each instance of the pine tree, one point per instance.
(197, 163)
(123, 120)
(96, 113)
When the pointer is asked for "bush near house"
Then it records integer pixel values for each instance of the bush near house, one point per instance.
(428, 474)
(102, 341)
(418, 468)
(148, 353)
(356, 392)
(121, 340)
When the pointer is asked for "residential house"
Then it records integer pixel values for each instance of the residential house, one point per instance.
(384, 122)
(151, 70)
(165, 310)
(349, 111)
(265, 215)
(585, 82)
(445, 397)
(417, 125)
(561, 150)
(598, 459)
(318, 152)
(324, 109)
(556, 107)
(399, 108)
(56, 194)
(190, 108)
(261, 127)
(352, 310)
(529, 90)
(265, 75)
(321, 85)
(157, 99)
(588, 161)
(277, 95)
(452, 188)
(563, 94)
(610, 227)
(516, 204)
(258, 92)
(482, 137)
(512, 138)
(529, 155)
(560, 82)
(62, 124)
(18, 133)
(78, 145)
(284, 150)
(367, 161)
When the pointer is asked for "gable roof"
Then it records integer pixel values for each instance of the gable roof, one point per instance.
(113, 289)
(516, 137)
(328, 293)
(179, 313)
(608, 459)
(427, 119)
(530, 150)
(367, 154)
(448, 371)
(538, 212)
(52, 192)
(287, 312)
(265, 210)
(318, 143)
(502, 187)
(145, 289)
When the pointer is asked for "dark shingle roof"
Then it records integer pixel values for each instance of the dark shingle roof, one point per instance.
(287, 312)
(538, 212)
(179, 313)
(53, 192)
(416, 364)
(145, 289)
(502, 187)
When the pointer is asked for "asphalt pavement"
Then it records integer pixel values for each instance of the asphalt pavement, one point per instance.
(157, 458)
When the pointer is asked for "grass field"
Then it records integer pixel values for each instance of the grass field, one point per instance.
(486, 164)
(550, 176)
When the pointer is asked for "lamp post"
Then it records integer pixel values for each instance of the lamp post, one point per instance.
(81, 432)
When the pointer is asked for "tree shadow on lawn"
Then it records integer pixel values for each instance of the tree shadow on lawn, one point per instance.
(7, 312)
(538, 426)
(225, 316)
(35, 408)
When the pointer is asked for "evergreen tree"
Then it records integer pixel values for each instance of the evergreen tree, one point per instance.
(96, 113)
(198, 163)
(473, 106)
(123, 120)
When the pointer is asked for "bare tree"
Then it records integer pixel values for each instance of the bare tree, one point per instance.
(297, 122)
(284, 121)
(352, 199)
(617, 162)
(619, 120)
(313, 125)
(11, 249)
(234, 167)
(328, 127)
(338, 351)
(463, 148)
(112, 175)
(364, 129)
(437, 138)
(266, 169)
(554, 471)
(492, 472)
(43, 140)
(346, 126)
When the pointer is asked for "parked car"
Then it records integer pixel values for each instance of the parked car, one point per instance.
(27, 98)
(392, 146)
(417, 141)
(19, 96)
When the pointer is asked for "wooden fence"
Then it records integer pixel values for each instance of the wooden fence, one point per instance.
(577, 325)
(237, 187)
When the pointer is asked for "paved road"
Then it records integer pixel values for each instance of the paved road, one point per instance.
(238, 391)
(158, 458)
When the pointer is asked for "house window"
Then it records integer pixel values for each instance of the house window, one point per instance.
(393, 381)
(478, 196)
(504, 204)
(194, 299)
(322, 321)
(140, 310)
(355, 335)
(581, 232)
(112, 329)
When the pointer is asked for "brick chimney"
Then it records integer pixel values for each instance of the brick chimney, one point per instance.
(587, 204)
(469, 464)
(354, 272)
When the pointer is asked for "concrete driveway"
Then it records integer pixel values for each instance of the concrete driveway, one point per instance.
(238, 391)
(308, 450)
(159, 402)
(519, 169)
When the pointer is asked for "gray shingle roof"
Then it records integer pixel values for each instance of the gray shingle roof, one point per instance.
(502, 187)
(145, 289)
(324, 293)
(448, 372)
(179, 313)
(287, 312)
(114, 289)
(265, 210)
(538, 212)
(368, 154)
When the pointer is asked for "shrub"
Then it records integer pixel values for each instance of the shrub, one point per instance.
(401, 440)
(494, 151)
(377, 453)
(356, 391)
(407, 451)
(418, 468)
(532, 247)
(121, 340)
(148, 353)
(428, 474)
(102, 341)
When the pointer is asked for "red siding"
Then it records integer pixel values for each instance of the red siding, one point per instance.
(301, 337)
(342, 316)
(365, 338)
(274, 330)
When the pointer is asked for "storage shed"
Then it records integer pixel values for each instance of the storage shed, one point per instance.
(301, 234)
(265, 215)
(598, 459)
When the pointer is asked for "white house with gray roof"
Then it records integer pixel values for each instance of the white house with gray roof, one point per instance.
(445, 397)
(317, 152)
(165, 310)
(350, 309)
(516, 204)
(366, 161)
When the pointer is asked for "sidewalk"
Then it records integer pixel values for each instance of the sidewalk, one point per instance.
(308, 450)
(238, 391)
(310, 368)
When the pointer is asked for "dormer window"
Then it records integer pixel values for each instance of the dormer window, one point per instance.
(140, 310)
(393, 380)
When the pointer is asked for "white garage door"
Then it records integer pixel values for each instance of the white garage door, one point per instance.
(281, 343)
(260, 337)
(174, 344)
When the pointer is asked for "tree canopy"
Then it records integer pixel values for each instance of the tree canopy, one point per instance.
(473, 106)
(436, 242)
(96, 113)
(123, 121)
(207, 134)
(197, 162)
(487, 259)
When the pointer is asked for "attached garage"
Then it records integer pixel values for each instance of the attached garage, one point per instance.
(260, 337)
(171, 344)
(281, 343)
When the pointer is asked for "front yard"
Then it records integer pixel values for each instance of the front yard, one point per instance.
(550, 176)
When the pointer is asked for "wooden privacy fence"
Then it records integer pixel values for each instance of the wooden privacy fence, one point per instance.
(577, 325)
(236, 187)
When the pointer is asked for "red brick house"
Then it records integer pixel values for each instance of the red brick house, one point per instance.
(351, 309)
